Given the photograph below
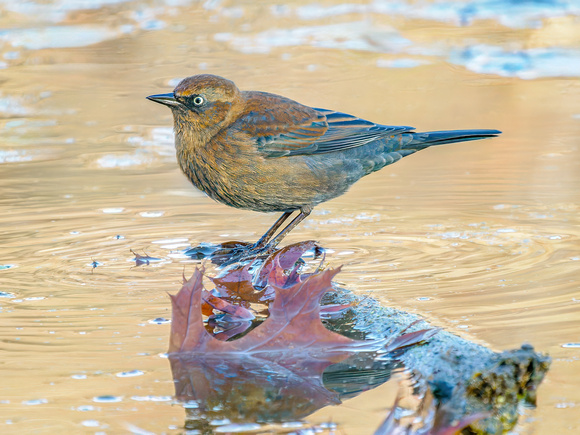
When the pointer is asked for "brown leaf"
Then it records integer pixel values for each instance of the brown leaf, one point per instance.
(284, 357)
(294, 320)
(237, 284)
(236, 311)
(335, 310)
(282, 260)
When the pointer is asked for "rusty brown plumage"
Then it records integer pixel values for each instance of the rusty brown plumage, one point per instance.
(264, 152)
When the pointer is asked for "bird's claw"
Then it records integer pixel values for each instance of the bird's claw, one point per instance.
(228, 253)
(243, 255)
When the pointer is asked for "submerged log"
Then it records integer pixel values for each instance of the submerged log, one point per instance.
(464, 377)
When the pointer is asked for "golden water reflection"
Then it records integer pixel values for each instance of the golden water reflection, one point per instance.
(481, 238)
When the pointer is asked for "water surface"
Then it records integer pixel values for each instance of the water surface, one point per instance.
(481, 238)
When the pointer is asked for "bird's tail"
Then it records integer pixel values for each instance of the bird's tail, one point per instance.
(431, 138)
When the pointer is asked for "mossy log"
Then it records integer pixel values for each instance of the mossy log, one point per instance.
(466, 378)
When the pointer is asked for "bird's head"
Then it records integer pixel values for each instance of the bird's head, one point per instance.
(201, 104)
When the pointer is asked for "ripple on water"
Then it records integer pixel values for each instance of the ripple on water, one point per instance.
(152, 398)
(16, 156)
(152, 214)
(125, 161)
(238, 427)
(90, 423)
(130, 374)
(113, 210)
(498, 251)
(34, 402)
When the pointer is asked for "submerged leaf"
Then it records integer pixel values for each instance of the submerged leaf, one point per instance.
(237, 285)
(236, 311)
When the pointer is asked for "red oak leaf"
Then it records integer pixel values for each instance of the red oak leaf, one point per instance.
(237, 285)
(275, 371)
(294, 321)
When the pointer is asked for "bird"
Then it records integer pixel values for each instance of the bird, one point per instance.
(264, 152)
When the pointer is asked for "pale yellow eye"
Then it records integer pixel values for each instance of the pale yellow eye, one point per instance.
(198, 101)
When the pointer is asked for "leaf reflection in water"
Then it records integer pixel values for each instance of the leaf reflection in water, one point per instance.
(274, 373)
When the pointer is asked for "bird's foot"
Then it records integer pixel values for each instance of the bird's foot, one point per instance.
(230, 253)
(227, 253)
(246, 254)
(216, 250)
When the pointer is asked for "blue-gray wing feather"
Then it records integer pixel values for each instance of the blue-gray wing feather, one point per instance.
(338, 131)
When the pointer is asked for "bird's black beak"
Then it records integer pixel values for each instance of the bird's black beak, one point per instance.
(165, 99)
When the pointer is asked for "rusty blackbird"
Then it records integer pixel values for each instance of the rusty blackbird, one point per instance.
(264, 152)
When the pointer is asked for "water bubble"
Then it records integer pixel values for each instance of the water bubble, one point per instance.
(159, 321)
(107, 399)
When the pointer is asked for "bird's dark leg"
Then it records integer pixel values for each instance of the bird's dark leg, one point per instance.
(304, 212)
(266, 244)
(266, 237)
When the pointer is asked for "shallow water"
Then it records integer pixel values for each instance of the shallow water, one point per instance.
(481, 238)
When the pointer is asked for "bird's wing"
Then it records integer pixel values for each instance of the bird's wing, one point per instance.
(288, 128)
(347, 131)
(279, 126)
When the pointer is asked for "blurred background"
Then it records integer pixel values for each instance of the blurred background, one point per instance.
(481, 238)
